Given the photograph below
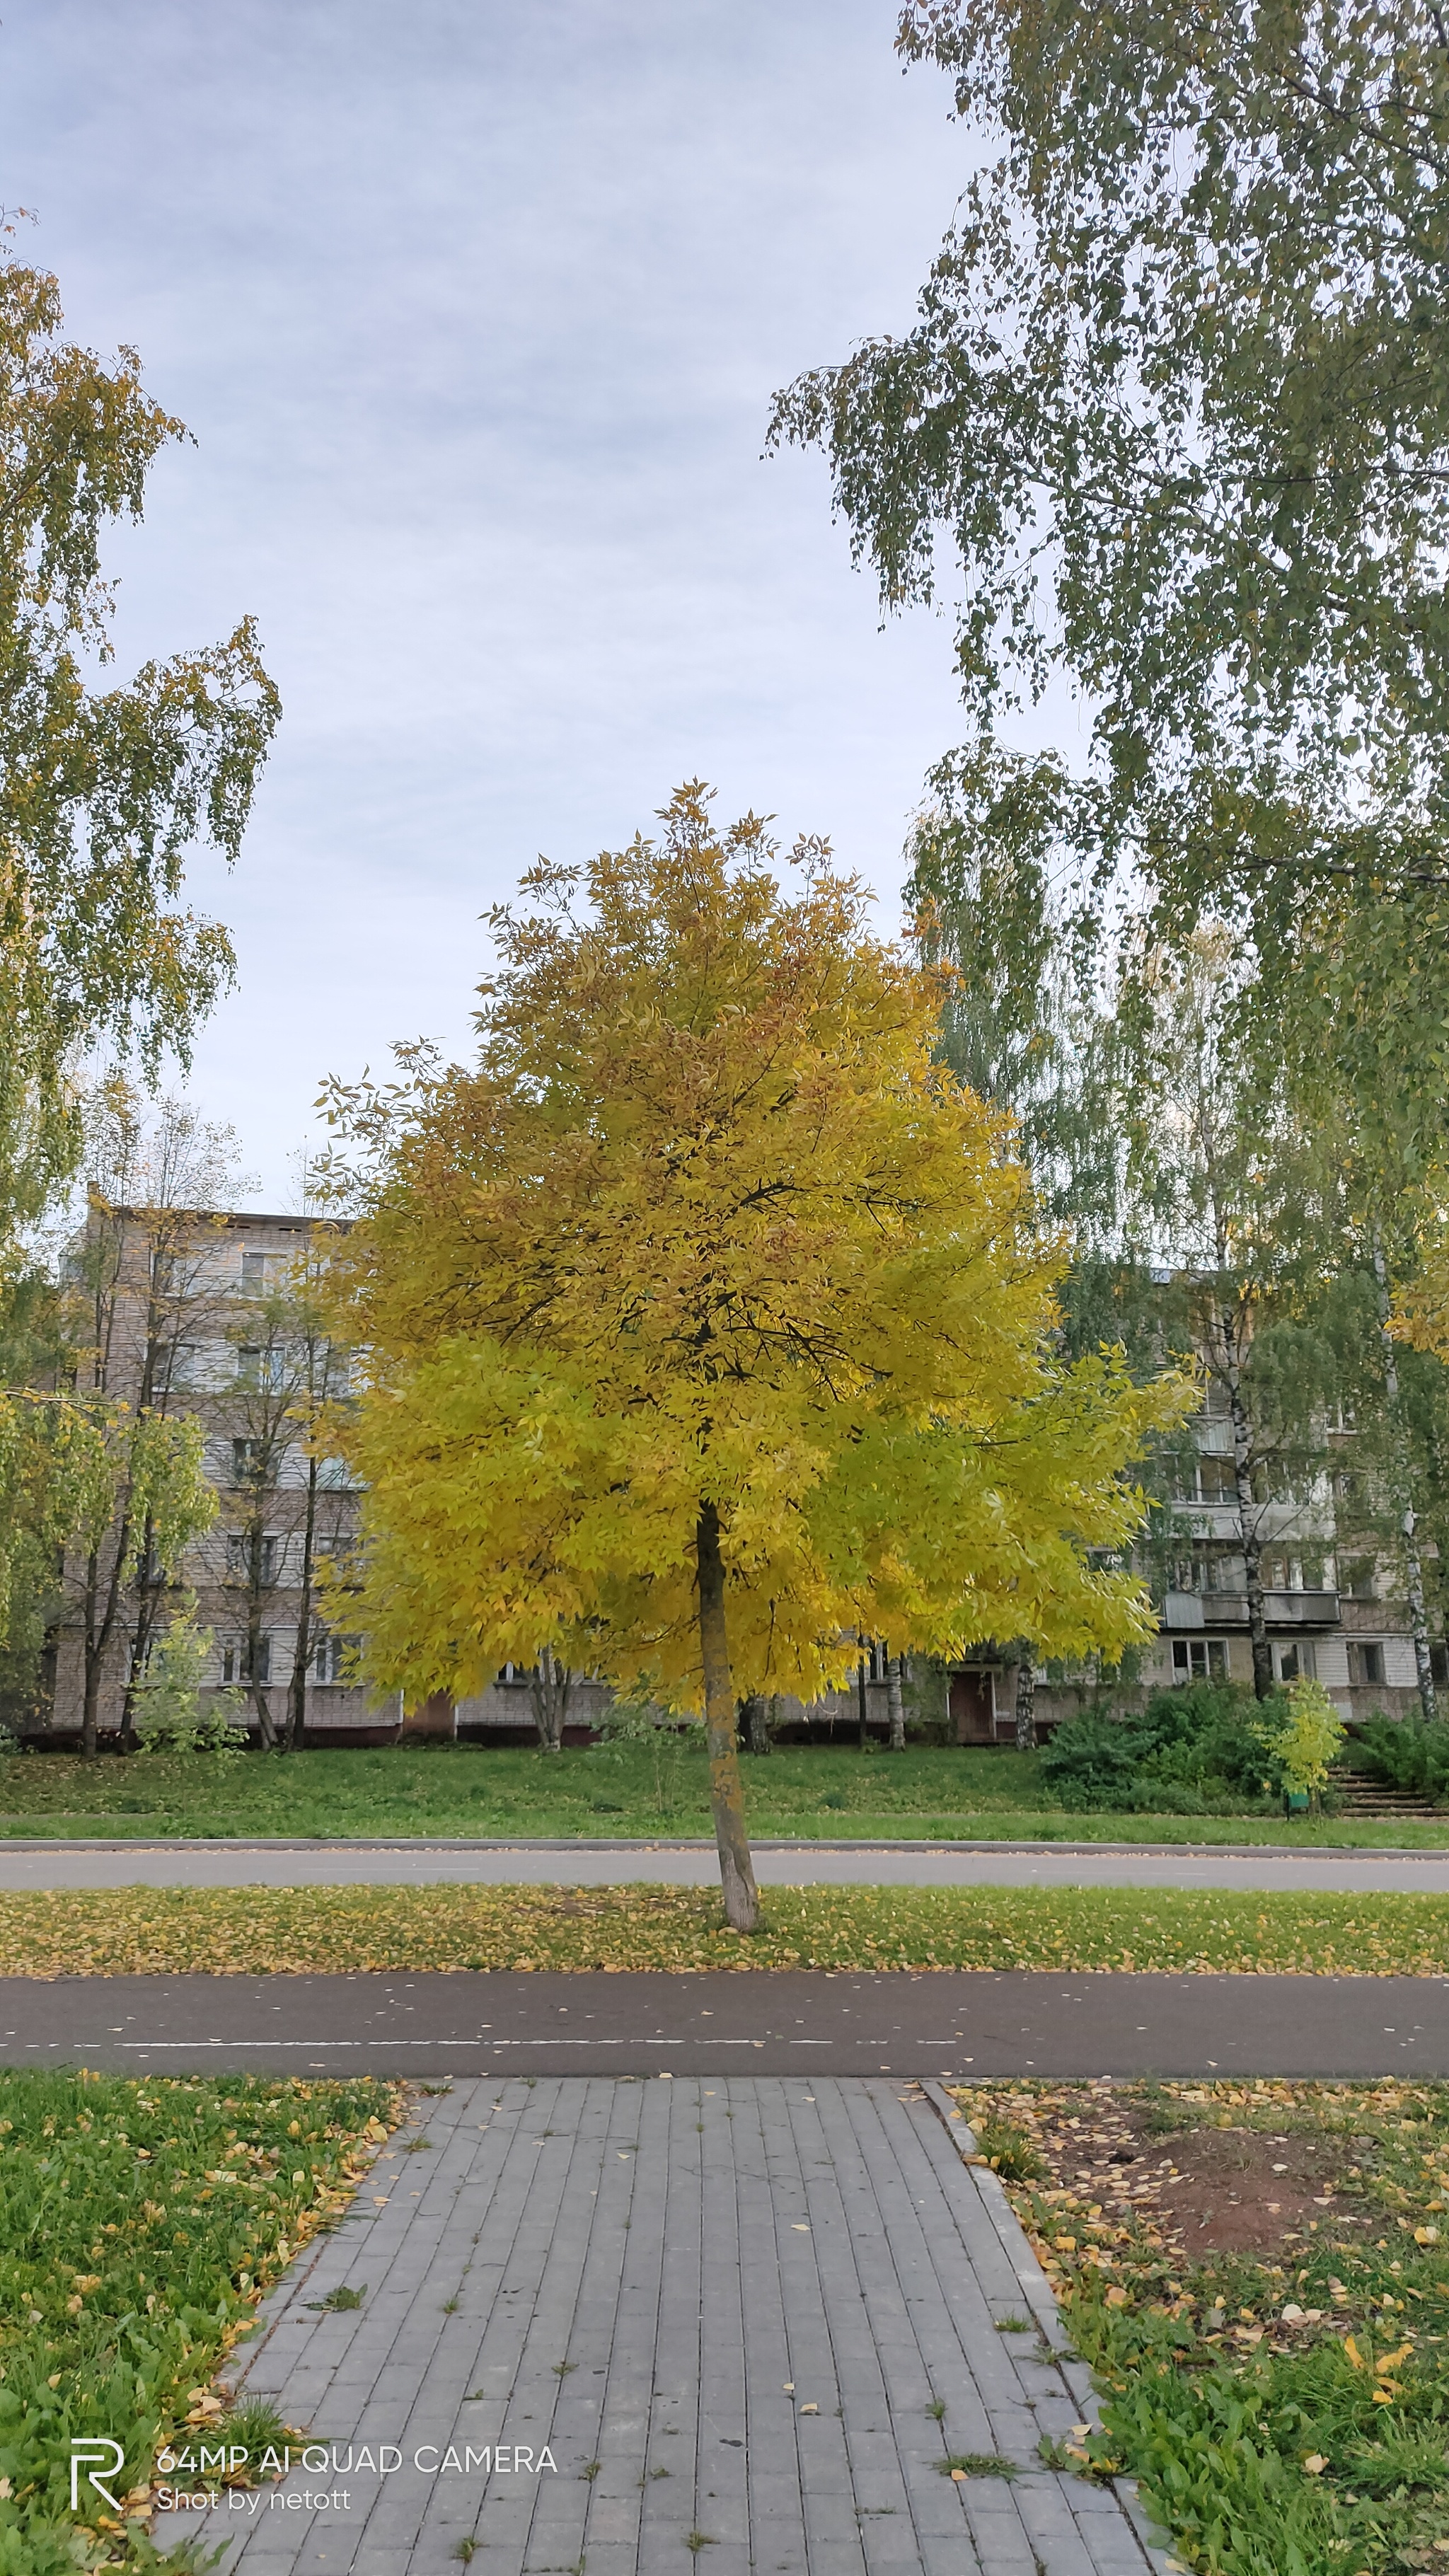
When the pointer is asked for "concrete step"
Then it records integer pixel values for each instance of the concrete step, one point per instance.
(1358, 1795)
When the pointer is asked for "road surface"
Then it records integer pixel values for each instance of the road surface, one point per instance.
(755, 2021)
(591, 1864)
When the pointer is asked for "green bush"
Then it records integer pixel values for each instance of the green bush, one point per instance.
(1191, 1751)
(170, 1717)
(1406, 1754)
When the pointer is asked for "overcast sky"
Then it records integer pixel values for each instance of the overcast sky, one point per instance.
(475, 310)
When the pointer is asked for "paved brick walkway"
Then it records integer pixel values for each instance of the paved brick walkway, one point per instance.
(729, 2309)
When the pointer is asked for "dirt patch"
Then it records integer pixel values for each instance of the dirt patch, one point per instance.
(1213, 2189)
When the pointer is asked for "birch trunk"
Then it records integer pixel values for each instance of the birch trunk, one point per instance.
(302, 1647)
(1413, 1564)
(549, 1691)
(1247, 1509)
(895, 1682)
(1026, 1703)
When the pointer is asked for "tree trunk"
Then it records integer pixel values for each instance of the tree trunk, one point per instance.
(260, 1701)
(736, 1869)
(1026, 1701)
(296, 1724)
(91, 1667)
(99, 1628)
(758, 1738)
(1247, 1513)
(148, 1602)
(862, 1704)
(895, 1685)
(549, 1691)
(1413, 1566)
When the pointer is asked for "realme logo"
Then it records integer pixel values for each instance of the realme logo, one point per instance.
(88, 2457)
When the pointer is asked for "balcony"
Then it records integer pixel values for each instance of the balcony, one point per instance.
(1297, 1612)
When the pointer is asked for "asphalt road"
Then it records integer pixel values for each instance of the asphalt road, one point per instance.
(421, 1864)
(761, 2022)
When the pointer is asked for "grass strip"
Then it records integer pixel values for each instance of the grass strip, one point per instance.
(140, 2223)
(988, 1825)
(244, 1931)
(1283, 2418)
(934, 1792)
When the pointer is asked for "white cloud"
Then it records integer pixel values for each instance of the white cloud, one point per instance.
(475, 311)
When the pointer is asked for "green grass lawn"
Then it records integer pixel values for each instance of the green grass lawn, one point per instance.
(243, 1931)
(1275, 2373)
(140, 2223)
(931, 1793)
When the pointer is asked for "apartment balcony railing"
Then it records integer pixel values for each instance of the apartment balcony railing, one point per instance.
(1294, 1611)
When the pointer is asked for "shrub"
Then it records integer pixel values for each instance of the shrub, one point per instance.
(1187, 1752)
(1093, 1761)
(1407, 1754)
(169, 1714)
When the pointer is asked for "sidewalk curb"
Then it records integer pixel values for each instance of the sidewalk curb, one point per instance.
(940, 1847)
(1040, 2297)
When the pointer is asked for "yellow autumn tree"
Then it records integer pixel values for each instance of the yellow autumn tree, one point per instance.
(1421, 1309)
(708, 1328)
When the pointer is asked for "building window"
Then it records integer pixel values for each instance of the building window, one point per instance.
(239, 1557)
(256, 1366)
(1296, 1663)
(1283, 1573)
(185, 1368)
(333, 1659)
(1439, 1665)
(1356, 1577)
(236, 1665)
(246, 1462)
(1199, 1659)
(1365, 1660)
(254, 1273)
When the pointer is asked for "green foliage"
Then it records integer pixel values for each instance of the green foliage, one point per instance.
(1174, 397)
(1405, 1753)
(669, 1751)
(102, 792)
(1187, 1751)
(927, 1793)
(1173, 387)
(126, 2268)
(169, 1716)
(1009, 2151)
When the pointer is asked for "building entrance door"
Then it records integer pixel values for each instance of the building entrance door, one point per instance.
(973, 1707)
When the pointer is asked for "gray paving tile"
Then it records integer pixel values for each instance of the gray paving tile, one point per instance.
(662, 2277)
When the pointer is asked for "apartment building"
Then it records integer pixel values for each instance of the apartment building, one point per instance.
(1330, 1601)
(212, 1315)
(209, 1314)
